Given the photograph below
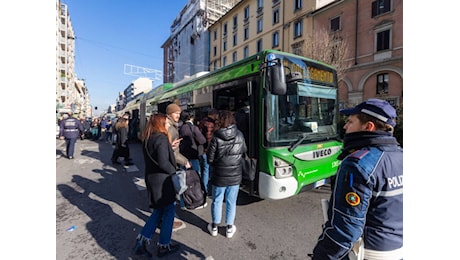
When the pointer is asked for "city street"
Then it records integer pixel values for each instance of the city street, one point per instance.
(100, 209)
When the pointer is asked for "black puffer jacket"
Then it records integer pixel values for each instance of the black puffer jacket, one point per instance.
(224, 155)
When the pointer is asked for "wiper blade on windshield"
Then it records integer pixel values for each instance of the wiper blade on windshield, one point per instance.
(299, 141)
(311, 137)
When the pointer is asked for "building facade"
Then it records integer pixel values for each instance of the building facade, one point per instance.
(71, 93)
(186, 51)
(374, 31)
(371, 29)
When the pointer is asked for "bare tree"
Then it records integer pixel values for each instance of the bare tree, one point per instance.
(329, 48)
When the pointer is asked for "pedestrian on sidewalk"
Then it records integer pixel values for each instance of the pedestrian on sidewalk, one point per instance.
(108, 132)
(160, 165)
(191, 145)
(70, 129)
(173, 112)
(224, 155)
(121, 147)
(207, 126)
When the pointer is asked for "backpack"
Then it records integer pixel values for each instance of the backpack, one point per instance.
(194, 194)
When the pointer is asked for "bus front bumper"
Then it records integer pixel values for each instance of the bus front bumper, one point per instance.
(275, 189)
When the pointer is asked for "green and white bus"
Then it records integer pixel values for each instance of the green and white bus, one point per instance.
(290, 108)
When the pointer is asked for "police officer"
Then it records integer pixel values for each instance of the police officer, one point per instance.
(366, 203)
(70, 129)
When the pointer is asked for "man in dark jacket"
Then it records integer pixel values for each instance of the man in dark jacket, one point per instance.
(70, 128)
(366, 203)
(224, 155)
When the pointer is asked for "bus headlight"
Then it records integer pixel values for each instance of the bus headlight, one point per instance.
(282, 168)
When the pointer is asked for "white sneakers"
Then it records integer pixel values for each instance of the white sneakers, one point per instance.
(231, 231)
(212, 231)
(202, 206)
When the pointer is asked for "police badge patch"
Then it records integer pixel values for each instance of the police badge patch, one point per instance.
(352, 198)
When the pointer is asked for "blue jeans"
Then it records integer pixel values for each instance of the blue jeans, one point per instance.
(195, 163)
(206, 172)
(231, 194)
(166, 215)
(70, 146)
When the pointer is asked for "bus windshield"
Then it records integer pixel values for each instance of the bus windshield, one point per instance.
(307, 112)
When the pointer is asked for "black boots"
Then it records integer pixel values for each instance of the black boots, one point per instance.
(141, 248)
(166, 250)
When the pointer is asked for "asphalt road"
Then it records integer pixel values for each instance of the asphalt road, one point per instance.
(107, 206)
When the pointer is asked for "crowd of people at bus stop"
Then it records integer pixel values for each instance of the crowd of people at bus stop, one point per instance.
(365, 209)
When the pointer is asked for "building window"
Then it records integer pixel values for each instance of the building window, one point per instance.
(298, 29)
(382, 84)
(246, 33)
(383, 40)
(246, 52)
(297, 5)
(276, 16)
(225, 45)
(260, 24)
(260, 4)
(215, 50)
(275, 39)
(215, 65)
(335, 24)
(235, 39)
(259, 45)
(225, 29)
(235, 21)
(215, 35)
(380, 7)
(224, 61)
(246, 13)
(234, 57)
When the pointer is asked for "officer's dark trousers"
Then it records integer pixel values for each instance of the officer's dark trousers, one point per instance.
(70, 146)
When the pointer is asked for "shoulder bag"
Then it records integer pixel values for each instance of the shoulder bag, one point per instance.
(178, 178)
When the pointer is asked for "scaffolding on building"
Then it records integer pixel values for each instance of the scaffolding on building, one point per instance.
(217, 8)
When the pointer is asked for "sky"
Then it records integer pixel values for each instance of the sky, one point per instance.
(112, 33)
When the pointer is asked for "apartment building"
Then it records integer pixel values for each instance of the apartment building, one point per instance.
(374, 32)
(71, 93)
(372, 29)
(186, 51)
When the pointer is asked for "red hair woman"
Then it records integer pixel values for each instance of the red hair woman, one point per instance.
(160, 165)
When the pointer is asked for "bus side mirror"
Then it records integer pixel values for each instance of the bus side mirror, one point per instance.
(277, 79)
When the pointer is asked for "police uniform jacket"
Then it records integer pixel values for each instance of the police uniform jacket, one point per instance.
(224, 154)
(160, 165)
(70, 128)
(367, 197)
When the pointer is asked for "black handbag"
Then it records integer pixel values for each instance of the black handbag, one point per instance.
(249, 167)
